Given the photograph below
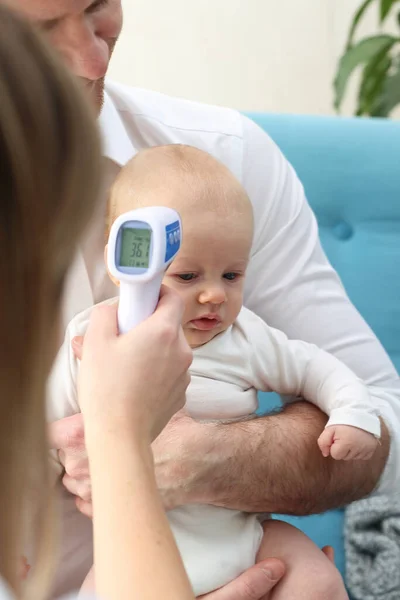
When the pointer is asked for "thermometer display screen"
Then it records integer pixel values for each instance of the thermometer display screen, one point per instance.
(135, 248)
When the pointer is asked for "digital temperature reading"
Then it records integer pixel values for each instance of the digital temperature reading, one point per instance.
(135, 248)
(141, 246)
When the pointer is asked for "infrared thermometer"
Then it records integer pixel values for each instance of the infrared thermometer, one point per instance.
(141, 246)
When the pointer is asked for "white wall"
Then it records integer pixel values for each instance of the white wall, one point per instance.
(273, 55)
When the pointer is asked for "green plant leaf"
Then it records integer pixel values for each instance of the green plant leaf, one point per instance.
(357, 18)
(389, 97)
(385, 8)
(359, 54)
(373, 78)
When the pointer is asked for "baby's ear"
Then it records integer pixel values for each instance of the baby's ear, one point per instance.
(115, 281)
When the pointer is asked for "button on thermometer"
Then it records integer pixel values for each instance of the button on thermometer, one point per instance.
(141, 246)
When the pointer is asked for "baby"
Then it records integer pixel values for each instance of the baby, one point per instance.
(235, 354)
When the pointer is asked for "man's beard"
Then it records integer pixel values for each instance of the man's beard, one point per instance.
(99, 95)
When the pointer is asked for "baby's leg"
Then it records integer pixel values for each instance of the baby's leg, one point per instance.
(309, 573)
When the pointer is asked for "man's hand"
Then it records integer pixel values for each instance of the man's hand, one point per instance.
(172, 471)
(68, 438)
(258, 581)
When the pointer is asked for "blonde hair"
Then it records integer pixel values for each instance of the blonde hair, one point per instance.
(182, 177)
(49, 177)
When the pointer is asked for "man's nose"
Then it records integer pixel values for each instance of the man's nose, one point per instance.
(86, 54)
(213, 295)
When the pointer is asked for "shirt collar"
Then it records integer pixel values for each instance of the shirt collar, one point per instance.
(117, 145)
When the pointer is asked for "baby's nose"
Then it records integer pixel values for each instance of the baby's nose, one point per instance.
(213, 295)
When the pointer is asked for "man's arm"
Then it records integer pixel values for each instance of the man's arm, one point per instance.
(271, 464)
(274, 464)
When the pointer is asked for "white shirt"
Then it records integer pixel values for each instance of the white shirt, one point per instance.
(217, 544)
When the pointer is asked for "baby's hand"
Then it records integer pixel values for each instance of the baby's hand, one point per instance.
(343, 442)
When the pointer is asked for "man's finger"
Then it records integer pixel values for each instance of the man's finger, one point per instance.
(70, 484)
(253, 584)
(80, 489)
(66, 433)
(86, 508)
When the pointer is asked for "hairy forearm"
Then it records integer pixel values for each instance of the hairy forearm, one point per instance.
(273, 464)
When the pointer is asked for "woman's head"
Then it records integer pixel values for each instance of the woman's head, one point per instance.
(49, 175)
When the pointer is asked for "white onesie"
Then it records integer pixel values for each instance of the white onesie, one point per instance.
(218, 544)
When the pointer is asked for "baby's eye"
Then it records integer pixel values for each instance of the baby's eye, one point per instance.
(231, 276)
(186, 276)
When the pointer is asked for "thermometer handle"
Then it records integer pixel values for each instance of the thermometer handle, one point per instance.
(137, 301)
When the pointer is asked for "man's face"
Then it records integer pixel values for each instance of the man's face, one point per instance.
(83, 31)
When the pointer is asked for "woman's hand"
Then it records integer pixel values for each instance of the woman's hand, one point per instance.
(136, 382)
(129, 387)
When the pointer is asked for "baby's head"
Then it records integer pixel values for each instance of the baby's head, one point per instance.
(217, 222)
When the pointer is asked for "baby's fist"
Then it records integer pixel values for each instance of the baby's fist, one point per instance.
(343, 442)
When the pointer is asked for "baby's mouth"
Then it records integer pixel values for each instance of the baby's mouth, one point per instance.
(206, 322)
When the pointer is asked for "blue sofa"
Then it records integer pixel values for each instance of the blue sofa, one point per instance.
(350, 169)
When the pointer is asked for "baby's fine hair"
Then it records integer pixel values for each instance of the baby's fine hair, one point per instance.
(181, 177)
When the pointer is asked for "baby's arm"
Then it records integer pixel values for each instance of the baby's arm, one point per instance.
(296, 368)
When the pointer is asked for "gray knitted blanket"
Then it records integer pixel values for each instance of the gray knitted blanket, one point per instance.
(372, 543)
